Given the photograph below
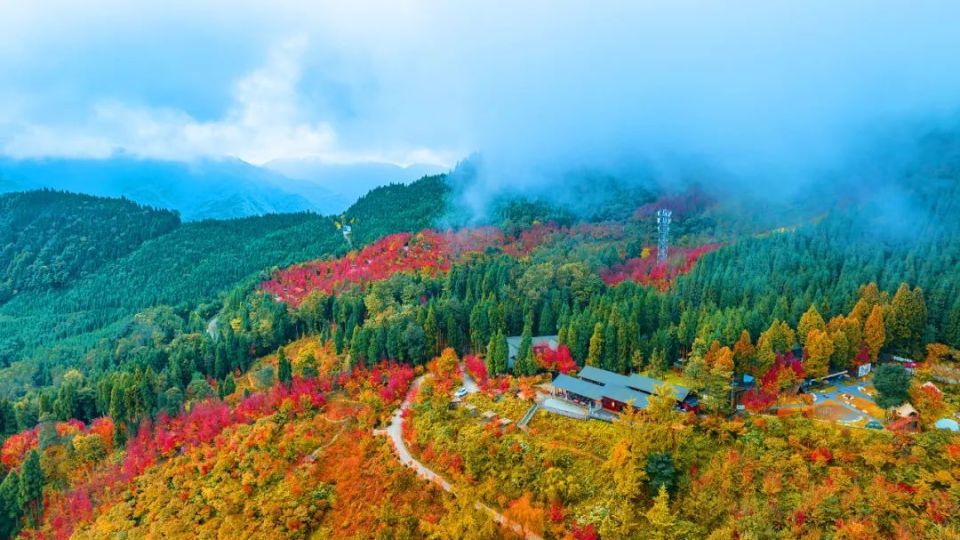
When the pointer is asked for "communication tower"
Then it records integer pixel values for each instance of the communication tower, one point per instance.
(663, 230)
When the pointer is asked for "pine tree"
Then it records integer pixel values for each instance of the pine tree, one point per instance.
(11, 508)
(595, 353)
(907, 319)
(609, 359)
(497, 353)
(308, 367)
(338, 339)
(229, 385)
(663, 524)
(31, 488)
(524, 363)
(811, 320)
(547, 325)
(431, 329)
(719, 380)
(743, 351)
(8, 419)
(284, 370)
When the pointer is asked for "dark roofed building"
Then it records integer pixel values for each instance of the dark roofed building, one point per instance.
(649, 385)
(602, 376)
(614, 391)
(578, 390)
(616, 398)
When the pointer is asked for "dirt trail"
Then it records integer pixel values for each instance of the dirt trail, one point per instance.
(395, 432)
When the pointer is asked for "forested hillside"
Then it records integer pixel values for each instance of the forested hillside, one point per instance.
(186, 268)
(207, 343)
(49, 239)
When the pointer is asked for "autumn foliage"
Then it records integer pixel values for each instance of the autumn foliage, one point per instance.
(647, 271)
(193, 439)
(787, 371)
(428, 252)
(559, 359)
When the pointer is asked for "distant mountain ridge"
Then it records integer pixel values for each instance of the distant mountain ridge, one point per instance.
(201, 189)
(211, 188)
(351, 181)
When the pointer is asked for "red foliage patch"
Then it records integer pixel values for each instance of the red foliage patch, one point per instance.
(559, 360)
(585, 532)
(821, 455)
(17, 446)
(477, 369)
(429, 252)
(647, 271)
(169, 436)
(785, 370)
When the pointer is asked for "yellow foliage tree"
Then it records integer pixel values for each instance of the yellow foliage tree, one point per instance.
(874, 332)
(819, 350)
(811, 320)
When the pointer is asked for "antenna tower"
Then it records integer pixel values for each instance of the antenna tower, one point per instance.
(663, 229)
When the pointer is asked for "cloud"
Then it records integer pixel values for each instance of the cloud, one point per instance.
(266, 120)
(748, 90)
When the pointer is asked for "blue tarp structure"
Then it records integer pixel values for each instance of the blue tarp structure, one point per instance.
(948, 424)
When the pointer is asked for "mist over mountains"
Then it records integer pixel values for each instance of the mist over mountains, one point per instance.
(208, 188)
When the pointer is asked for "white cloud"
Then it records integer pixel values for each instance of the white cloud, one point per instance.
(758, 87)
(266, 120)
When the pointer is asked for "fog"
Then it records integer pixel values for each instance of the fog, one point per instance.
(753, 95)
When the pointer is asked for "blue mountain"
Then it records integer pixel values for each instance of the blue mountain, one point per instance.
(200, 189)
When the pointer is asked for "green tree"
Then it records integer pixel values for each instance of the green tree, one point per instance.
(524, 363)
(892, 382)
(229, 385)
(48, 432)
(11, 508)
(31, 488)
(595, 353)
(660, 472)
(308, 366)
(907, 319)
(431, 331)
(8, 419)
(284, 370)
(497, 353)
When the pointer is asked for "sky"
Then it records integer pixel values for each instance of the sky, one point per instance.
(756, 89)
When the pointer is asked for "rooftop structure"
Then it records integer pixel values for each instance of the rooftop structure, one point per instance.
(612, 391)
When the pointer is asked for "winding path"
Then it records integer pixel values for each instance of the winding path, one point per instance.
(395, 432)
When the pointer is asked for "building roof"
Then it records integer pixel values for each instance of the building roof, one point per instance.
(947, 424)
(649, 385)
(626, 395)
(578, 386)
(602, 376)
(643, 384)
(905, 410)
